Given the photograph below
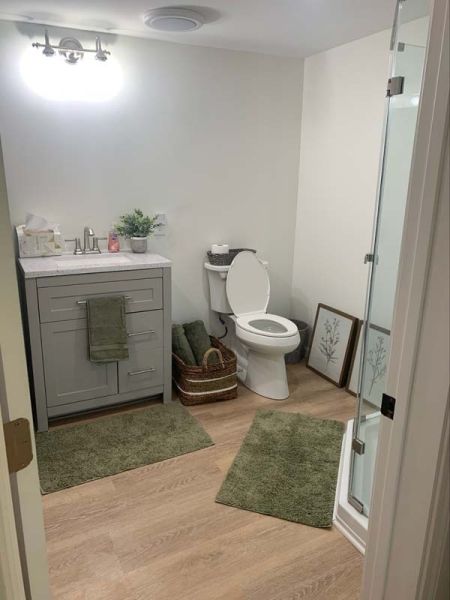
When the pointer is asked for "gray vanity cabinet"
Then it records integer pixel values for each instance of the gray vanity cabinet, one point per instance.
(64, 380)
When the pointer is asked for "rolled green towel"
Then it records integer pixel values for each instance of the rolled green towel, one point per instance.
(199, 341)
(180, 345)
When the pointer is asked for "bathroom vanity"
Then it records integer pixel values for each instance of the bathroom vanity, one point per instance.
(55, 290)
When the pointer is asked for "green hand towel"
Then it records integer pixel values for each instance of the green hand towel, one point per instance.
(180, 345)
(199, 341)
(107, 329)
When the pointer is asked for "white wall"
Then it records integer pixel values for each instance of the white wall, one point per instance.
(342, 121)
(211, 137)
(343, 107)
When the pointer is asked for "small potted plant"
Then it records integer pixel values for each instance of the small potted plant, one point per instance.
(137, 228)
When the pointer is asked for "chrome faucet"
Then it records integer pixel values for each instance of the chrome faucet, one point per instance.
(88, 233)
(88, 248)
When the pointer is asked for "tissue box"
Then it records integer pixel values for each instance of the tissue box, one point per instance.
(39, 243)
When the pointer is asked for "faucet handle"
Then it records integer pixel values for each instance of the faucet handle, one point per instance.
(95, 241)
(77, 249)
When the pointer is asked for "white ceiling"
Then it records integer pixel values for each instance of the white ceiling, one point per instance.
(283, 27)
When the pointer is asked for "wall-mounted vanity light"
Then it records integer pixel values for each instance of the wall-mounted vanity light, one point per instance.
(90, 81)
(71, 49)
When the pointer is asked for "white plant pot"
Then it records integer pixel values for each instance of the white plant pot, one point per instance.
(138, 244)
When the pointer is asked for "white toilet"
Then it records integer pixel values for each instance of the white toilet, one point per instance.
(242, 290)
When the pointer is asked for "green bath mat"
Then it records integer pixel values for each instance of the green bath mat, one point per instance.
(108, 445)
(287, 467)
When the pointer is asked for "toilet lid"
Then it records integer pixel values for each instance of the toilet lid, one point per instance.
(248, 286)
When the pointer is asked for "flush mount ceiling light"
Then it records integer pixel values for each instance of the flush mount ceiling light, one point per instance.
(173, 20)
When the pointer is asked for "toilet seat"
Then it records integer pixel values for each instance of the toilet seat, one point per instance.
(267, 325)
(248, 285)
(248, 292)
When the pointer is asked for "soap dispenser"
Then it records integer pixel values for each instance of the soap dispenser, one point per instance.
(113, 242)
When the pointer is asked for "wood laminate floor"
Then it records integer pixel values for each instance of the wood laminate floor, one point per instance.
(155, 533)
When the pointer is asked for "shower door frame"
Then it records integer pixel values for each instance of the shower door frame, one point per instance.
(356, 445)
(392, 452)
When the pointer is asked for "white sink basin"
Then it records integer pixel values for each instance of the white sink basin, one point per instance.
(90, 260)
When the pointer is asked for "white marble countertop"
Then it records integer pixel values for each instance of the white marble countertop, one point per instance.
(71, 264)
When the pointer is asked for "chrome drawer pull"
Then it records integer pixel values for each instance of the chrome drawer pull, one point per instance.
(131, 373)
(141, 333)
(85, 301)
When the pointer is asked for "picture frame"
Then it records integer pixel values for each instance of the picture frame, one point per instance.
(377, 355)
(332, 344)
(353, 373)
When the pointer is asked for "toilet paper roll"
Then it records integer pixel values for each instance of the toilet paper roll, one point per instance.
(220, 248)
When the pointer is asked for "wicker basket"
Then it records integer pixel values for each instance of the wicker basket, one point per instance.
(226, 259)
(208, 383)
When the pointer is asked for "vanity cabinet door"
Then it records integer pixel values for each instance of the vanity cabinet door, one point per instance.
(69, 374)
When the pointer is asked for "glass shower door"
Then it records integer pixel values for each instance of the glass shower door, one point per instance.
(374, 343)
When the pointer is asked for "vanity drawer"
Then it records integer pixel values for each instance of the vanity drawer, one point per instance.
(67, 302)
(145, 330)
(144, 368)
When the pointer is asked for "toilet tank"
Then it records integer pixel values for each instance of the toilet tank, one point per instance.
(217, 279)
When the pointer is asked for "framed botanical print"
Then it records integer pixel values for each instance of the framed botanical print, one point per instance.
(355, 363)
(332, 344)
(377, 355)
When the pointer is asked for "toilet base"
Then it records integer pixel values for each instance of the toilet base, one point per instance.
(266, 375)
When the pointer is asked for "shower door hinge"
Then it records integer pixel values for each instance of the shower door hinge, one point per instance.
(395, 86)
(358, 445)
(388, 406)
(355, 503)
(368, 258)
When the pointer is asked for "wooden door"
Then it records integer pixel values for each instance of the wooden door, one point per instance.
(15, 403)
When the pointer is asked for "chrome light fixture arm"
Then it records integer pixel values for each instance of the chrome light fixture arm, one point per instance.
(71, 49)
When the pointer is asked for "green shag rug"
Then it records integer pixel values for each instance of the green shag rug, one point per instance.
(108, 445)
(287, 467)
